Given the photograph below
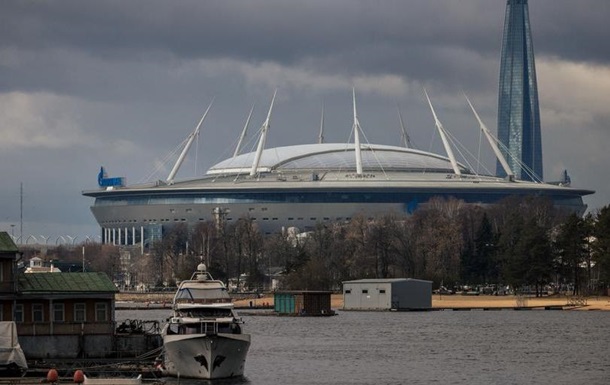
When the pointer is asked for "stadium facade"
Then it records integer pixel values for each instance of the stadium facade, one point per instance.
(518, 109)
(303, 185)
(300, 186)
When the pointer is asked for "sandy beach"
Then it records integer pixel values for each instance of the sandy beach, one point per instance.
(456, 301)
(488, 301)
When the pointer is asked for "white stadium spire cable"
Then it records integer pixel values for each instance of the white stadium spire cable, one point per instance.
(263, 138)
(493, 142)
(357, 137)
(406, 140)
(243, 133)
(443, 135)
(191, 137)
(321, 134)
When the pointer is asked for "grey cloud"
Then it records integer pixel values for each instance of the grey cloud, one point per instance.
(141, 73)
(405, 38)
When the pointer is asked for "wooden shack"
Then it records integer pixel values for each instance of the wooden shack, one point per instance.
(303, 303)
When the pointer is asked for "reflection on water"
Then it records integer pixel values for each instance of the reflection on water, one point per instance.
(467, 347)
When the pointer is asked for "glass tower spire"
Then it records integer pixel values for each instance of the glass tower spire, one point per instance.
(518, 110)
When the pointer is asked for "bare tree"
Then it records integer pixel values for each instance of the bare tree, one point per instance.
(439, 239)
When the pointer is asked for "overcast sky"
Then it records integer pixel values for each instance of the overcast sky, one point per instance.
(122, 83)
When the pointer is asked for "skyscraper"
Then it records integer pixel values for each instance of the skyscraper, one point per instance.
(518, 110)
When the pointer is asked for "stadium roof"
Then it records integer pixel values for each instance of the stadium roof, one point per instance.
(336, 156)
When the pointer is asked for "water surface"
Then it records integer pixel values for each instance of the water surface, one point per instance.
(438, 347)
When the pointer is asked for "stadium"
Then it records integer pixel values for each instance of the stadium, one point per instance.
(302, 185)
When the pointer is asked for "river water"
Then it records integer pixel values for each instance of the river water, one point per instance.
(437, 347)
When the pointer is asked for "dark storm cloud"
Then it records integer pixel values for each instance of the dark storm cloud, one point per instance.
(120, 83)
(571, 30)
(406, 38)
(239, 29)
(417, 39)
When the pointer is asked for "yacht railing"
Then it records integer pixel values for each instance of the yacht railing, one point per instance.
(206, 327)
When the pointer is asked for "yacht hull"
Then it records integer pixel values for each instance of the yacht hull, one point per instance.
(205, 356)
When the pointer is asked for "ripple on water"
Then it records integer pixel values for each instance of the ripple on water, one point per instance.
(500, 347)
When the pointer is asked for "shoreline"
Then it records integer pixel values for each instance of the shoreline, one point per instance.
(439, 302)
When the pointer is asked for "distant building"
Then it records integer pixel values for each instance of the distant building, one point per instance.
(9, 255)
(36, 266)
(387, 294)
(302, 186)
(518, 109)
(58, 315)
(75, 311)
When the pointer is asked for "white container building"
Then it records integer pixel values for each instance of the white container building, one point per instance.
(387, 294)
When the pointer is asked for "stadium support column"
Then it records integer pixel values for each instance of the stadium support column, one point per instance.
(133, 235)
(142, 239)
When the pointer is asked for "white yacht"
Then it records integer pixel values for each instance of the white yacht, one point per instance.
(204, 336)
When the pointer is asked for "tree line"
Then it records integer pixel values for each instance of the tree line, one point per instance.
(520, 242)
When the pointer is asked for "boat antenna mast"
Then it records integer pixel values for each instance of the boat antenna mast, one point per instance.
(187, 146)
(356, 129)
(263, 138)
(493, 142)
(443, 134)
(243, 133)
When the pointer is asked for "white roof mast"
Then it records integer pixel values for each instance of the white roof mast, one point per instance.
(406, 140)
(356, 129)
(493, 142)
(443, 135)
(187, 146)
(243, 133)
(263, 138)
(321, 134)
